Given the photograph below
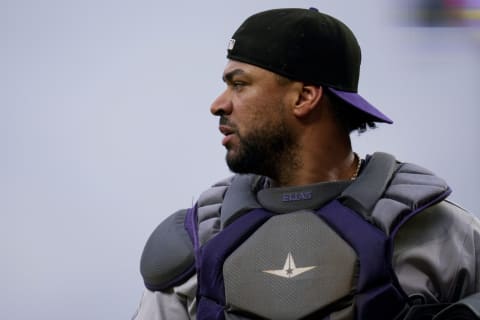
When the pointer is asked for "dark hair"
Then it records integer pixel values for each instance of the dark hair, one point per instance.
(349, 117)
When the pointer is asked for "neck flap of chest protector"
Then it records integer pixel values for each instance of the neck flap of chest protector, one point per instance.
(385, 193)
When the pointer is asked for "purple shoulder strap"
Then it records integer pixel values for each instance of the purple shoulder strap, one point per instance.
(210, 273)
(191, 225)
(378, 294)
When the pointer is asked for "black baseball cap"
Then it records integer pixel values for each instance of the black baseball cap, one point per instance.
(308, 46)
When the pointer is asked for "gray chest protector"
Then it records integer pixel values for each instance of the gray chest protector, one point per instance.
(313, 252)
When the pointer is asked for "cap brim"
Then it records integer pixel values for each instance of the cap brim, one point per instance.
(357, 101)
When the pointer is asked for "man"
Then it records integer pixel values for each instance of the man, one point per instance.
(306, 229)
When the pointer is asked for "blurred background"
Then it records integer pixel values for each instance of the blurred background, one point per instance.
(105, 127)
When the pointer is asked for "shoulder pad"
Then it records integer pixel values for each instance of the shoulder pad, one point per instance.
(224, 202)
(209, 205)
(363, 194)
(168, 259)
(240, 197)
(412, 188)
(387, 189)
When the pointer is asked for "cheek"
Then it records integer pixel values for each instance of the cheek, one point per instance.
(259, 122)
(257, 110)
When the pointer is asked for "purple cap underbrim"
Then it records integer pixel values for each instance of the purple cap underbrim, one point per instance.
(361, 104)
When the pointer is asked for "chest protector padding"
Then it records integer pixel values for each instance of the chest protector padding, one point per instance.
(334, 262)
(344, 259)
(299, 283)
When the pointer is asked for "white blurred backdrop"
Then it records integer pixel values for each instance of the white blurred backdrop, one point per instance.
(105, 130)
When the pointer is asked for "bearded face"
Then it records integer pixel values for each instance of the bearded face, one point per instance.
(254, 119)
(259, 150)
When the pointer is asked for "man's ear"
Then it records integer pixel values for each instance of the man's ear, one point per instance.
(308, 99)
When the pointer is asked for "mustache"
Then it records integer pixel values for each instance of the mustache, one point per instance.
(224, 121)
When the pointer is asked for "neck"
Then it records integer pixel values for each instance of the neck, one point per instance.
(320, 158)
(322, 152)
(345, 167)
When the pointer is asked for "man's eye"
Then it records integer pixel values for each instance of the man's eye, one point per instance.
(238, 84)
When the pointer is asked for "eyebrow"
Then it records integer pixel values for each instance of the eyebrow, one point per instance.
(228, 77)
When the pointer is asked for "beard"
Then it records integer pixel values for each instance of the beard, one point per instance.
(263, 151)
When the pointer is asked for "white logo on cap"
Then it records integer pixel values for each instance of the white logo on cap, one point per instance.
(231, 44)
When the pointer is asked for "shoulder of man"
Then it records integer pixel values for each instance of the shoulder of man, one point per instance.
(446, 238)
(437, 250)
(437, 261)
(168, 256)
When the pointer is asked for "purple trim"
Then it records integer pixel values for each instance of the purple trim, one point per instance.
(220, 247)
(357, 101)
(377, 293)
(367, 241)
(191, 225)
(404, 219)
(210, 310)
(191, 222)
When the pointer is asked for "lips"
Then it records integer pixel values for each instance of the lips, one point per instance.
(225, 126)
(225, 130)
(228, 132)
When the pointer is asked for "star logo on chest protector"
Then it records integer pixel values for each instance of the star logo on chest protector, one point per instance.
(289, 270)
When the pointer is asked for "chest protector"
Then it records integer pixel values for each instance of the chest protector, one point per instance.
(332, 261)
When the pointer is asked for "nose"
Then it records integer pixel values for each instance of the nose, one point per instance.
(221, 105)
